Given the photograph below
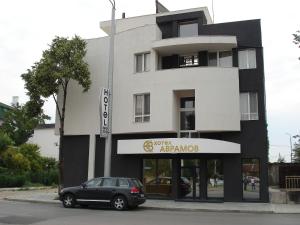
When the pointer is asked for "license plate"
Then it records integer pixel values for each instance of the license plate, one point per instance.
(142, 195)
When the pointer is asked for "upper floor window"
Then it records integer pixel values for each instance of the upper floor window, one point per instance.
(142, 62)
(142, 108)
(188, 60)
(247, 59)
(249, 106)
(188, 29)
(220, 58)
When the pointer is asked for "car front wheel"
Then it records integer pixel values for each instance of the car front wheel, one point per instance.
(68, 201)
(119, 203)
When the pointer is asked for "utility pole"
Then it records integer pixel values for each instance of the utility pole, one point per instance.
(108, 140)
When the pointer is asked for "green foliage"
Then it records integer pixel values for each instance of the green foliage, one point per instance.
(7, 180)
(48, 177)
(23, 165)
(49, 163)
(15, 161)
(5, 141)
(62, 62)
(32, 153)
(19, 124)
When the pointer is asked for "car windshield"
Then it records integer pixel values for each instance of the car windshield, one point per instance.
(137, 182)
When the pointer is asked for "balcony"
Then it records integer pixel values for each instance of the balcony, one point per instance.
(181, 45)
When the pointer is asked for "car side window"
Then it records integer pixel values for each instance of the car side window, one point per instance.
(123, 182)
(109, 182)
(93, 183)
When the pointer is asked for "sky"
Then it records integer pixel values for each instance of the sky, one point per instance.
(28, 27)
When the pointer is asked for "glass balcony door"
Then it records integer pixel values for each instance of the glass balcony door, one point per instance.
(187, 118)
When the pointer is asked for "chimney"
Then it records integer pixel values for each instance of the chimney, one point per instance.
(15, 101)
(123, 15)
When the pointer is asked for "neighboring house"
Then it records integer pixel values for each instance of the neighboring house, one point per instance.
(189, 116)
(44, 136)
(3, 109)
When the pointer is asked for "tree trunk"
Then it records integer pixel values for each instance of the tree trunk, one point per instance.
(61, 142)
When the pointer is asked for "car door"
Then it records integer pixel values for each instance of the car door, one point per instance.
(107, 189)
(89, 191)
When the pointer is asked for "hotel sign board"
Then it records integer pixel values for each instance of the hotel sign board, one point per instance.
(177, 146)
(104, 100)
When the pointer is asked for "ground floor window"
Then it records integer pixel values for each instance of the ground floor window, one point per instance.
(158, 177)
(251, 179)
(215, 178)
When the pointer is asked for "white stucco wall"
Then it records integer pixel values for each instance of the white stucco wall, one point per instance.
(47, 141)
(216, 89)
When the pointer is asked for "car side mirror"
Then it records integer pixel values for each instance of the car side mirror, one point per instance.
(83, 185)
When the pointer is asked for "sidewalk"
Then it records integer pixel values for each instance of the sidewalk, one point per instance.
(50, 195)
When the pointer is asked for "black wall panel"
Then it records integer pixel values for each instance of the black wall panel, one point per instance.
(76, 157)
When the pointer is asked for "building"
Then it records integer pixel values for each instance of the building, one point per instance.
(44, 136)
(189, 115)
(3, 109)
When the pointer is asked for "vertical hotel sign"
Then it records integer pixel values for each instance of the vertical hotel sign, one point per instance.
(104, 101)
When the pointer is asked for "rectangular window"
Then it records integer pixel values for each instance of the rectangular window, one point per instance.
(249, 106)
(220, 58)
(251, 179)
(142, 62)
(158, 177)
(225, 59)
(142, 108)
(188, 29)
(188, 60)
(247, 59)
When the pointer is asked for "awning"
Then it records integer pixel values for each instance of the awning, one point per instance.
(177, 146)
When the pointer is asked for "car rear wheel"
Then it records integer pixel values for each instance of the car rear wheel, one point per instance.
(68, 201)
(119, 203)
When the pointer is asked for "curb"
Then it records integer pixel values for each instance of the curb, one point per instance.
(153, 207)
(208, 210)
(31, 200)
(26, 188)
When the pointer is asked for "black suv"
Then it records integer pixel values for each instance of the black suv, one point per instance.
(119, 192)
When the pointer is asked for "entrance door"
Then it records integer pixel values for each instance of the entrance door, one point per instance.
(189, 184)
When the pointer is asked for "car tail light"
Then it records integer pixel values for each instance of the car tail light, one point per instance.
(134, 190)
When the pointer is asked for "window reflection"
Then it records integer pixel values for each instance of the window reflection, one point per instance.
(158, 177)
(251, 180)
(215, 179)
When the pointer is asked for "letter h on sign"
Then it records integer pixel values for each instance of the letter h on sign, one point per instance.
(104, 101)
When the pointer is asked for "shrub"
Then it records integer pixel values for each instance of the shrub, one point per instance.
(32, 153)
(9, 180)
(5, 141)
(49, 163)
(15, 161)
(44, 177)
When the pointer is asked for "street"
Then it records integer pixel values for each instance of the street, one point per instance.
(36, 213)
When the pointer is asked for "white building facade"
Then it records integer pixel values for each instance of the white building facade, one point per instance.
(183, 109)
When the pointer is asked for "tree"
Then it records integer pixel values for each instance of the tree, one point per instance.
(280, 159)
(59, 64)
(19, 124)
(297, 39)
(5, 141)
(297, 149)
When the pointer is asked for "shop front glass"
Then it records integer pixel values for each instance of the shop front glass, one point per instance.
(251, 179)
(158, 177)
(215, 181)
(189, 184)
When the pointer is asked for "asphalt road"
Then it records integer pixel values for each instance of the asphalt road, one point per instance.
(38, 214)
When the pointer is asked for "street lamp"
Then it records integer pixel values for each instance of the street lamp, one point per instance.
(107, 158)
(291, 147)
